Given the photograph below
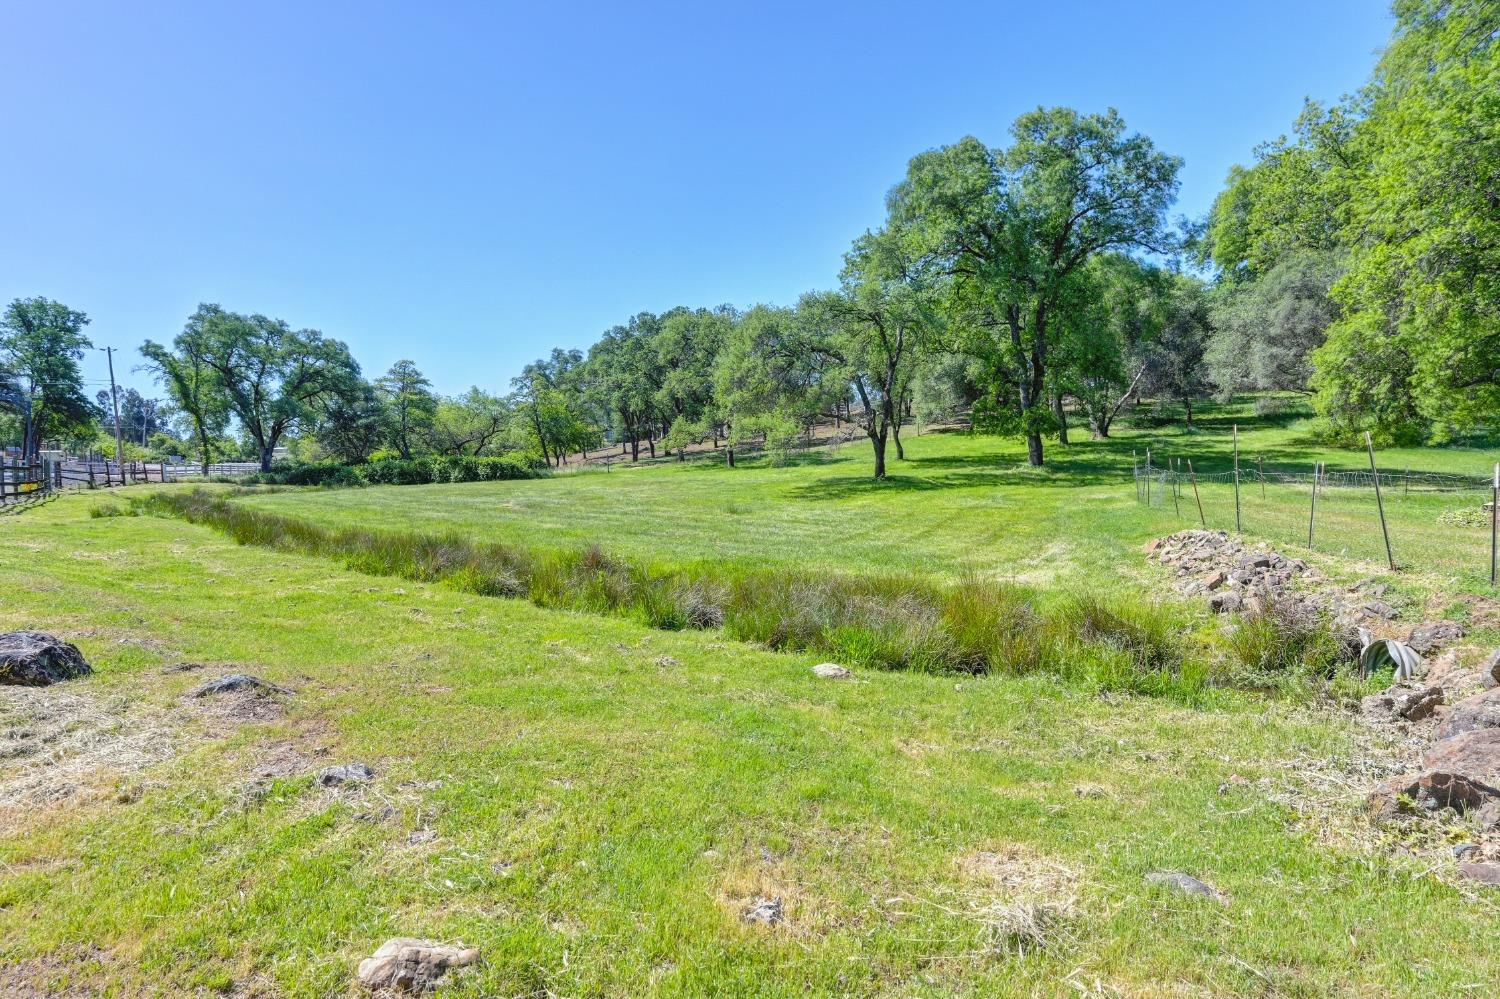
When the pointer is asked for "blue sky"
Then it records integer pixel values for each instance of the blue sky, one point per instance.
(470, 184)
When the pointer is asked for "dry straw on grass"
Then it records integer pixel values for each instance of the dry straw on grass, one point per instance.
(55, 743)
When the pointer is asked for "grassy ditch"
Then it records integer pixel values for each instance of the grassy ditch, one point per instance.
(891, 621)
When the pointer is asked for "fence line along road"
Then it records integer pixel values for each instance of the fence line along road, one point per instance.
(1435, 523)
(24, 481)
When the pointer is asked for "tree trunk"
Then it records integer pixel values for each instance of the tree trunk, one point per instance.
(896, 436)
(729, 453)
(265, 459)
(878, 442)
(1034, 449)
(1188, 404)
(1062, 419)
(651, 443)
(635, 448)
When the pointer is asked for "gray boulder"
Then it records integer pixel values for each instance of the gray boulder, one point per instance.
(408, 965)
(36, 659)
(1184, 883)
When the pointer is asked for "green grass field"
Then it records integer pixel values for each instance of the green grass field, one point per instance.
(594, 803)
(958, 505)
(605, 799)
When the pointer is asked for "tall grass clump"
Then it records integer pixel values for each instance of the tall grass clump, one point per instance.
(1284, 645)
(894, 621)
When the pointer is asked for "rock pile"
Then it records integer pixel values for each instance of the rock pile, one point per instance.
(1236, 576)
(1453, 708)
(1459, 709)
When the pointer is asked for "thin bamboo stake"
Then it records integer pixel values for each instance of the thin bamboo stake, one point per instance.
(1194, 476)
(1495, 527)
(1260, 462)
(1312, 514)
(1236, 478)
(1380, 503)
(1172, 470)
(1148, 476)
(1135, 472)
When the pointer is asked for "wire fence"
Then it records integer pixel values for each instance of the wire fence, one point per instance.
(1428, 522)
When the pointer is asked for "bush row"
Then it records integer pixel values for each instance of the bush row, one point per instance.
(404, 471)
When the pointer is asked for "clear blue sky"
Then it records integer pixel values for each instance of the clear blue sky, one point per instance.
(470, 184)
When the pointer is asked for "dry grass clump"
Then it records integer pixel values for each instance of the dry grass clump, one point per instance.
(1020, 902)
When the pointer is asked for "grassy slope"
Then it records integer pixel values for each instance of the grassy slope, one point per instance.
(600, 814)
(959, 504)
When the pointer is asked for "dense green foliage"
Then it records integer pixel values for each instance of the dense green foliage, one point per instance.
(41, 386)
(1376, 228)
(403, 471)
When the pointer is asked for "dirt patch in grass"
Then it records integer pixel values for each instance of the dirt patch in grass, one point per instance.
(233, 708)
(55, 744)
(55, 976)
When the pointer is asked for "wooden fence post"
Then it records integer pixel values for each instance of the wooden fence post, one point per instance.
(1172, 478)
(1380, 503)
(1260, 462)
(1194, 476)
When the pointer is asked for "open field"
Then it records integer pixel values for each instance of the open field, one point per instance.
(603, 800)
(959, 505)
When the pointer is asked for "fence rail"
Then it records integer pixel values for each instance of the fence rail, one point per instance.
(23, 481)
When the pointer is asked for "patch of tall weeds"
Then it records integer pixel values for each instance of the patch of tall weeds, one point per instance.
(895, 621)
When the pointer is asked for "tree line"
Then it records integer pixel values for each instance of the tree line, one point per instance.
(1036, 286)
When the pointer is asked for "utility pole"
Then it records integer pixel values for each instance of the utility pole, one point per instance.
(114, 396)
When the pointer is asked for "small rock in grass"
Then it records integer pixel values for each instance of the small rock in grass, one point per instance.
(763, 910)
(1185, 883)
(1461, 850)
(1491, 668)
(667, 661)
(831, 671)
(235, 682)
(1488, 874)
(420, 836)
(1424, 638)
(36, 659)
(409, 965)
(347, 773)
(1223, 603)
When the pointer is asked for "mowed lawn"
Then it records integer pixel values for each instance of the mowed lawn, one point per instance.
(960, 504)
(594, 805)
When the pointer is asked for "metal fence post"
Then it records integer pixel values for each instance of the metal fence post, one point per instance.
(1380, 503)
(1237, 478)
(1194, 476)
